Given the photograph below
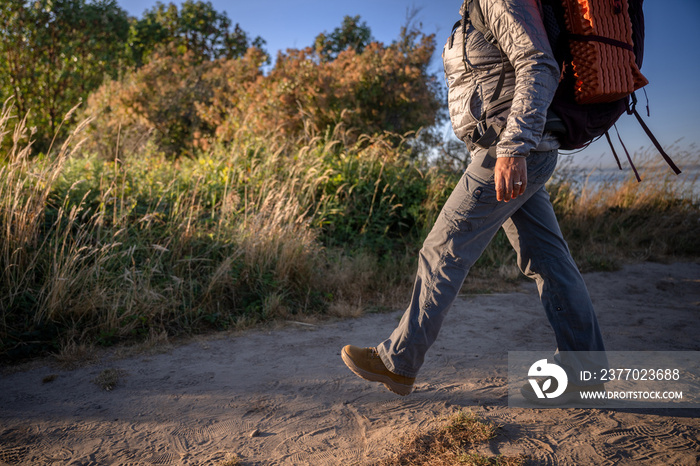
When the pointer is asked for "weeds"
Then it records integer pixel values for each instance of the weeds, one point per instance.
(454, 443)
(230, 460)
(140, 248)
(109, 378)
(621, 221)
(97, 252)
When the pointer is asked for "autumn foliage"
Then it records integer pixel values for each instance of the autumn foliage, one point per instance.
(182, 105)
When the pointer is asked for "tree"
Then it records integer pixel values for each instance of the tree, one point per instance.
(182, 104)
(382, 88)
(176, 101)
(54, 52)
(197, 28)
(352, 34)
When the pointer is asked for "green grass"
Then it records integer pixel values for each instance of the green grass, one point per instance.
(96, 252)
(101, 251)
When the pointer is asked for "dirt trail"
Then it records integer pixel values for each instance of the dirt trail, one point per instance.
(285, 397)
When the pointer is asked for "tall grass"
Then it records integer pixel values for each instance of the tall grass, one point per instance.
(612, 220)
(618, 220)
(96, 251)
(103, 251)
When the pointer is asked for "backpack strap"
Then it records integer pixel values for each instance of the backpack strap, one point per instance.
(452, 34)
(485, 136)
(474, 14)
(617, 159)
(667, 158)
(629, 158)
(596, 38)
(633, 110)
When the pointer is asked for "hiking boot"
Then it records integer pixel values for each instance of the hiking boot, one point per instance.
(366, 363)
(572, 395)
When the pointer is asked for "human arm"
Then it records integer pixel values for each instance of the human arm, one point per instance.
(518, 29)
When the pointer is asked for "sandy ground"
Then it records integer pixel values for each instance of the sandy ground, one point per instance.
(284, 397)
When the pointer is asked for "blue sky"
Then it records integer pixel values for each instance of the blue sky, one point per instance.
(671, 60)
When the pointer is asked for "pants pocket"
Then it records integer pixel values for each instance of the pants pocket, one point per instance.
(541, 165)
(477, 203)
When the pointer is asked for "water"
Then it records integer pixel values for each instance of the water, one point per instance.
(685, 185)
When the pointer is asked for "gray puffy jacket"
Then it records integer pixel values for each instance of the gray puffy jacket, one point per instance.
(532, 76)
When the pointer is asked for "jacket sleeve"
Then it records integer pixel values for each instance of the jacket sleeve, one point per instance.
(518, 29)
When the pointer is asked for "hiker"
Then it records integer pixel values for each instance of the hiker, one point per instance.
(498, 106)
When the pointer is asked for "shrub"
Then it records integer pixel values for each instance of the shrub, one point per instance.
(99, 251)
(180, 104)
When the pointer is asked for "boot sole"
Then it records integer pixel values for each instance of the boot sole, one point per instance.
(391, 385)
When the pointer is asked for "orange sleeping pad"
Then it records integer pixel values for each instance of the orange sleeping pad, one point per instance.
(601, 46)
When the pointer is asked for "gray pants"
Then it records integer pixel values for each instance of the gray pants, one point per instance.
(469, 220)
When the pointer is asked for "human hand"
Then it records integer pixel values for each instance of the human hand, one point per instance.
(510, 177)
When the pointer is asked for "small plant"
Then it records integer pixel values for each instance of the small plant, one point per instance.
(451, 444)
(230, 460)
(465, 428)
(108, 379)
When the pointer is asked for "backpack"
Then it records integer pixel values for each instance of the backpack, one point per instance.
(595, 88)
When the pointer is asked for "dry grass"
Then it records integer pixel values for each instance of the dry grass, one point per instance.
(453, 443)
(108, 379)
(230, 460)
(139, 248)
(615, 222)
(72, 355)
(97, 252)
(611, 221)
